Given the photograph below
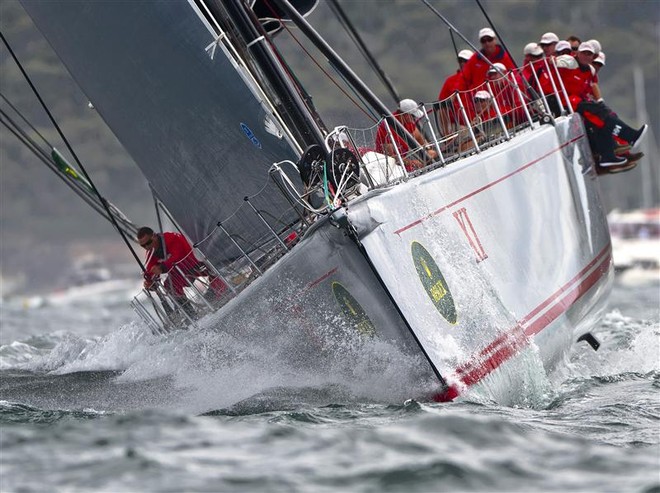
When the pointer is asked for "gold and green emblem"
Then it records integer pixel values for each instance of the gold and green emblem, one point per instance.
(353, 310)
(434, 282)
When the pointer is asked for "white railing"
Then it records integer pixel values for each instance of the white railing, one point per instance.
(465, 123)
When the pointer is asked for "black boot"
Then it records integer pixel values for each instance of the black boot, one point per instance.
(636, 142)
(602, 143)
(621, 129)
(612, 160)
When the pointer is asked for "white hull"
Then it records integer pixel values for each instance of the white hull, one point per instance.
(517, 232)
(521, 239)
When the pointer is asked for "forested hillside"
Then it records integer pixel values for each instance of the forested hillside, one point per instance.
(40, 218)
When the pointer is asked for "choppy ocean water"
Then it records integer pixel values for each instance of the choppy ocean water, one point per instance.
(89, 401)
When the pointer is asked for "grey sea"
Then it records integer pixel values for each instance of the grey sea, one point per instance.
(91, 401)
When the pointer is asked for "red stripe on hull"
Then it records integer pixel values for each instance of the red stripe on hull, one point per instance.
(485, 187)
(509, 344)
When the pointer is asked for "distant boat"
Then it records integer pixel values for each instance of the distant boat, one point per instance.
(497, 243)
(636, 243)
(89, 282)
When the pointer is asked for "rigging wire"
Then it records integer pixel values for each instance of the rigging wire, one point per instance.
(322, 45)
(453, 42)
(40, 154)
(476, 50)
(496, 33)
(24, 137)
(451, 27)
(39, 134)
(374, 117)
(318, 65)
(72, 152)
(357, 39)
(79, 188)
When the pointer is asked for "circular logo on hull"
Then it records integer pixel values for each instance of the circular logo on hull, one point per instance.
(434, 282)
(353, 310)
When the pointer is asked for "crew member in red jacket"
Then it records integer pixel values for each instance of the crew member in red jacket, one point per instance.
(172, 254)
(452, 83)
(602, 124)
(476, 68)
(407, 114)
(448, 108)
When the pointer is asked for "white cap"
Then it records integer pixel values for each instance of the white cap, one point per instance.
(563, 45)
(596, 44)
(587, 46)
(566, 61)
(465, 54)
(486, 31)
(483, 95)
(533, 49)
(548, 38)
(497, 68)
(600, 58)
(409, 106)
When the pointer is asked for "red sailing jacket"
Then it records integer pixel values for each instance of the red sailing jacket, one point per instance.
(177, 251)
(383, 137)
(476, 68)
(545, 78)
(578, 81)
(451, 85)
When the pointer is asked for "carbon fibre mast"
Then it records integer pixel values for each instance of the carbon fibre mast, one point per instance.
(292, 103)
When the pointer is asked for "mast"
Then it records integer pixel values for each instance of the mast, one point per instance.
(305, 124)
(344, 69)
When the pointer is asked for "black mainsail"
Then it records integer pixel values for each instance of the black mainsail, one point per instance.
(185, 114)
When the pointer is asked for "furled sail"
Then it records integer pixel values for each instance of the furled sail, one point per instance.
(188, 119)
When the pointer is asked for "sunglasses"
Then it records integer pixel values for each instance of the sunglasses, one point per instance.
(148, 243)
(487, 39)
